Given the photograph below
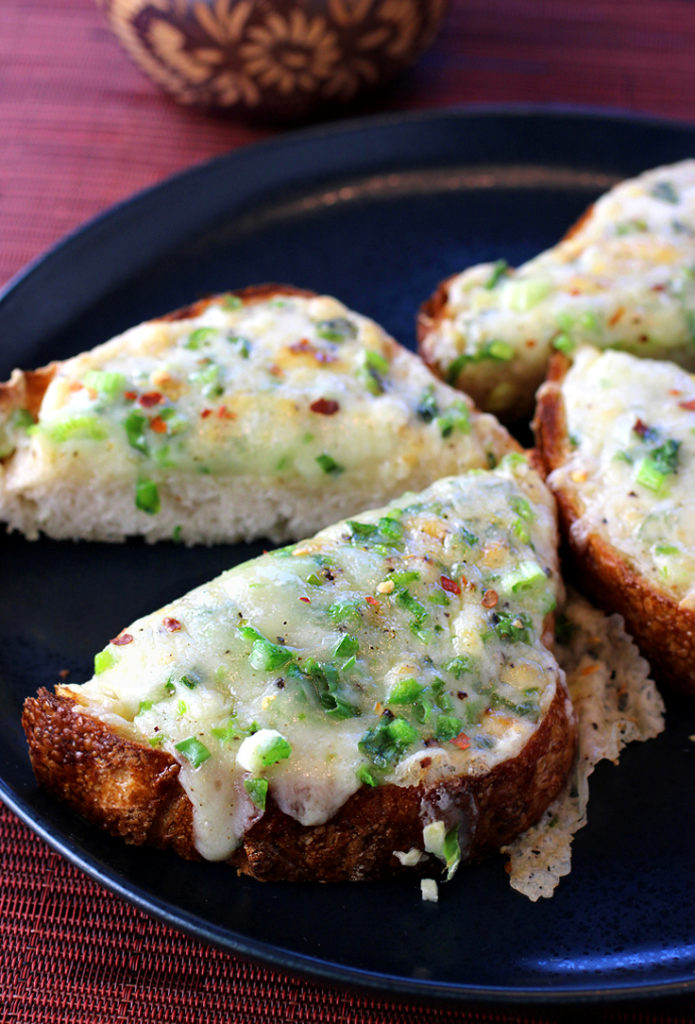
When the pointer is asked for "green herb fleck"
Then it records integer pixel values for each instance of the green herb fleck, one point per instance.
(193, 750)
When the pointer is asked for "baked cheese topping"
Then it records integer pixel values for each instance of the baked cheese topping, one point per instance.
(631, 425)
(401, 646)
(298, 391)
(625, 277)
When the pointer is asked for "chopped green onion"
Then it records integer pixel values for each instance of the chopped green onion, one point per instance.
(452, 853)
(109, 384)
(347, 646)
(135, 425)
(193, 750)
(103, 660)
(457, 416)
(499, 270)
(498, 349)
(563, 343)
(406, 691)
(21, 419)
(427, 408)
(232, 302)
(200, 335)
(524, 295)
(665, 191)
(241, 343)
(147, 497)
(338, 329)
(458, 666)
(365, 776)
(257, 789)
(329, 465)
(83, 428)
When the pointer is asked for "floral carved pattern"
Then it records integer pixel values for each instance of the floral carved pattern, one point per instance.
(278, 56)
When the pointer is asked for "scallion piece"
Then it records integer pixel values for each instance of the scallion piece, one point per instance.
(147, 497)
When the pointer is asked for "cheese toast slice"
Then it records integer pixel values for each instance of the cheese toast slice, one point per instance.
(616, 436)
(267, 412)
(367, 703)
(623, 276)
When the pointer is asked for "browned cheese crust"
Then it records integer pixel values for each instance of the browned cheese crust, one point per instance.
(133, 792)
(664, 632)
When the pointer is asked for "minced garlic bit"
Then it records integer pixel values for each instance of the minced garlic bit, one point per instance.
(429, 890)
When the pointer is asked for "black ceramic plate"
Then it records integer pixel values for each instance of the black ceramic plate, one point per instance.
(375, 212)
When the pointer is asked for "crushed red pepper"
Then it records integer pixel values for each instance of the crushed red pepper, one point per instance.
(325, 406)
(122, 639)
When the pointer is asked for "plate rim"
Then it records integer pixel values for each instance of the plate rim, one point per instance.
(312, 968)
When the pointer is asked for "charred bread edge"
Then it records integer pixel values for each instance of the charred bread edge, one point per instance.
(604, 575)
(133, 791)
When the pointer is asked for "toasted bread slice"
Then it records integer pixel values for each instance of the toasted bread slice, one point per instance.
(615, 435)
(356, 706)
(266, 412)
(621, 277)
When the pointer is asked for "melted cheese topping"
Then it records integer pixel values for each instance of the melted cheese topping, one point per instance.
(291, 392)
(624, 277)
(631, 423)
(402, 646)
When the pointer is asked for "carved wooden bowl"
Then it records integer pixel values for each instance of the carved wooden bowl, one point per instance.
(273, 58)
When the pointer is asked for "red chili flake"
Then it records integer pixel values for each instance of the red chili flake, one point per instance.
(158, 425)
(130, 395)
(306, 600)
(223, 413)
(641, 428)
(172, 625)
(450, 585)
(461, 741)
(372, 601)
(325, 406)
(530, 343)
(689, 405)
(64, 673)
(150, 398)
(277, 371)
(612, 321)
(121, 639)
(75, 385)
(658, 287)
(490, 599)
(205, 413)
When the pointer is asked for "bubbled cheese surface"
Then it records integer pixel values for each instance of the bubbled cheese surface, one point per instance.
(624, 277)
(631, 468)
(401, 646)
(290, 393)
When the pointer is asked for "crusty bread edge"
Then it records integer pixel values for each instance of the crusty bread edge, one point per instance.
(133, 792)
(664, 632)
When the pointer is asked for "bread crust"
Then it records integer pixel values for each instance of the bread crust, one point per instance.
(133, 791)
(664, 631)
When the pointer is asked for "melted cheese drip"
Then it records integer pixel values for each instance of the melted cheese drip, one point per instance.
(606, 396)
(398, 598)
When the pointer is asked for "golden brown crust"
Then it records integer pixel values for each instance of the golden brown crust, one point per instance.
(252, 293)
(664, 632)
(133, 791)
(429, 315)
(25, 389)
